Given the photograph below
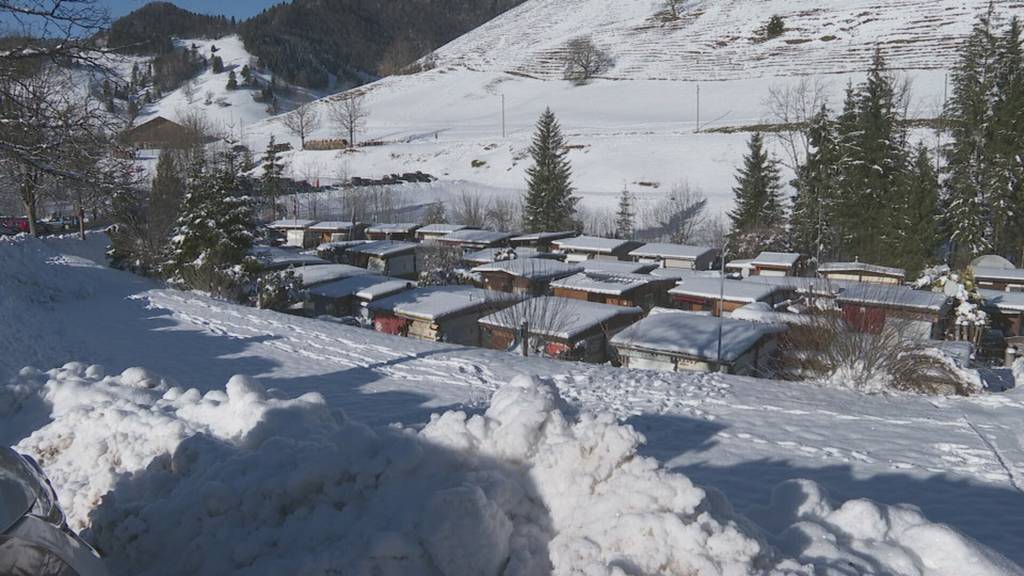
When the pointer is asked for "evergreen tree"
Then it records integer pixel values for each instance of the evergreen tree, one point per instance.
(436, 214)
(550, 204)
(759, 220)
(874, 161)
(1007, 192)
(270, 182)
(232, 81)
(970, 168)
(165, 199)
(625, 218)
(816, 184)
(212, 235)
(919, 233)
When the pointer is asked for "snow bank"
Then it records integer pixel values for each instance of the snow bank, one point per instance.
(239, 482)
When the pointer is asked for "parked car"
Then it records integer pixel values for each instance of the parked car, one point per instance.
(13, 225)
(34, 535)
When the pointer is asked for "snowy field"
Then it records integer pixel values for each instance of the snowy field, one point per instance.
(181, 455)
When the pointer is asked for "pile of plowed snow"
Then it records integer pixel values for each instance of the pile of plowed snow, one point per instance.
(170, 481)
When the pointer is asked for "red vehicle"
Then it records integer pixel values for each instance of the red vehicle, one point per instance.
(13, 225)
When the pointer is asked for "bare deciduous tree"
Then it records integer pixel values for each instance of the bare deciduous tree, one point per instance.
(543, 319)
(349, 113)
(469, 209)
(302, 121)
(504, 214)
(791, 106)
(673, 8)
(675, 218)
(584, 60)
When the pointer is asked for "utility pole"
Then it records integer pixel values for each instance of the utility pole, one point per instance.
(502, 115)
(698, 108)
(721, 299)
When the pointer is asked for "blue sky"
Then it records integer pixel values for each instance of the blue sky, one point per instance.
(237, 8)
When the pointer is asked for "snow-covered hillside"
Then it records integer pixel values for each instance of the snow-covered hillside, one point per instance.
(231, 471)
(637, 125)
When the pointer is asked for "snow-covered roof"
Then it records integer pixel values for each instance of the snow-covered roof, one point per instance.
(1008, 301)
(384, 248)
(397, 228)
(328, 226)
(617, 266)
(441, 228)
(473, 236)
(341, 245)
(786, 259)
(313, 275)
(763, 312)
(740, 264)
(272, 257)
(606, 283)
(992, 261)
(439, 302)
(803, 284)
(562, 318)
(531, 268)
(693, 335)
(292, 224)
(487, 255)
(893, 296)
(676, 251)
(1012, 274)
(733, 290)
(681, 273)
(543, 236)
(365, 286)
(830, 267)
(593, 244)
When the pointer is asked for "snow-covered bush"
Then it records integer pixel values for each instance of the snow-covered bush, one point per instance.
(235, 481)
(279, 290)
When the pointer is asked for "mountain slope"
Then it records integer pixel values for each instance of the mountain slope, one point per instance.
(719, 39)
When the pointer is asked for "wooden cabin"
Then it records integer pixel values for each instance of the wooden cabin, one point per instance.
(163, 134)
(540, 241)
(352, 296)
(721, 296)
(403, 232)
(339, 231)
(432, 232)
(471, 239)
(296, 232)
(872, 307)
(675, 341)
(777, 264)
(438, 313)
(560, 328)
(861, 272)
(595, 248)
(531, 276)
(1006, 310)
(676, 256)
(1003, 279)
(387, 257)
(639, 290)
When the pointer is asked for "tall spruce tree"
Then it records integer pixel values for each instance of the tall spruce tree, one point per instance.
(816, 184)
(212, 235)
(625, 218)
(970, 166)
(918, 232)
(270, 181)
(1007, 193)
(759, 220)
(549, 203)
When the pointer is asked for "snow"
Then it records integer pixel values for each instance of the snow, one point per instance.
(569, 317)
(473, 236)
(314, 275)
(787, 259)
(532, 268)
(368, 286)
(273, 257)
(291, 224)
(803, 284)
(762, 312)
(693, 335)
(1005, 301)
(592, 244)
(439, 302)
(394, 228)
(889, 461)
(541, 237)
(490, 255)
(828, 267)
(1013, 274)
(898, 296)
(615, 266)
(333, 226)
(665, 250)
(440, 229)
(605, 283)
(731, 290)
(384, 248)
